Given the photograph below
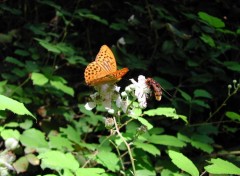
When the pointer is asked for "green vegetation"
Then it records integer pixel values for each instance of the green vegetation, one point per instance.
(52, 123)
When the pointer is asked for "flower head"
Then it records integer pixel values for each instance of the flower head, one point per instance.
(141, 90)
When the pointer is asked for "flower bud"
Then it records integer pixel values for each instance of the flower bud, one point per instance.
(109, 122)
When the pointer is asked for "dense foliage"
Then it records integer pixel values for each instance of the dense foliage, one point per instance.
(190, 47)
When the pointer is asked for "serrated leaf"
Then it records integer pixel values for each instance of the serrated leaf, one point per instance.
(183, 163)
(233, 115)
(71, 133)
(28, 139)
(60, 86)
(57, 160)
(185, 95)
(211, 20)
(89, 171)
(145, 122)
(167, 140)
(147, 147)
(168, 112)
(109, 160)
(202, 146)
(220, 166)
(14, 106)
(39, 79)
(60, 143)
(202, 93)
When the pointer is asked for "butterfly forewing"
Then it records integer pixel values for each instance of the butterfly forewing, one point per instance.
(106, 58)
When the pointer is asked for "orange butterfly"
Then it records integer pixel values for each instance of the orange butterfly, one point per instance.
(103, 69)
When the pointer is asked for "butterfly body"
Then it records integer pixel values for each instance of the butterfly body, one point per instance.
(103, 69)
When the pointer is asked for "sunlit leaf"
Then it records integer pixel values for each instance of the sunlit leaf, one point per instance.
(57, 160)
(183, 163)
(28, 138)
(39, 79)
(60, 86)
(220, 166)
(14, 106)
(89, 171)
(21, 164)
(109, 160)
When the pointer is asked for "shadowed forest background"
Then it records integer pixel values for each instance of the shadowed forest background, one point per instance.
(191, 48)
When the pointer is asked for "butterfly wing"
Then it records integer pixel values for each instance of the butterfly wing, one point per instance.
(110, 78)
(93, 72)
(106, 59)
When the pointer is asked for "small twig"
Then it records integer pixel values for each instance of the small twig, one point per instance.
(223, 104)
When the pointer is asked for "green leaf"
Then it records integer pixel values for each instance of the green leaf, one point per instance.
(233, 115)
(211, 20)
(183, 163)
(208, 40)
(60, 143)
(145, 122)
(14, 106)
(89, 171)
(166, 140)
(21, 164)
(28, 139)
(71, 133)
(48, 46)
(220, 166)
(232, 65)
(201, 103)
(202, 93)
(88, 14)
(185, 95)
(57, 160)
(14, 61)
(39, 79)
(109, 160)
(9, 133)
(147, 147)
(21, 52)
(60, 86)
(202, 146)
(145, 173)
(168, 112)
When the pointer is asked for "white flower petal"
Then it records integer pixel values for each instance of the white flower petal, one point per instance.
(90, 105)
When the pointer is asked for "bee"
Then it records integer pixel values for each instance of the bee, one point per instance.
(156, 87)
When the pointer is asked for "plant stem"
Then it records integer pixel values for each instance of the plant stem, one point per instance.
(127, 145)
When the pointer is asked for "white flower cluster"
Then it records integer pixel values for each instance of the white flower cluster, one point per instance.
(110, 97)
